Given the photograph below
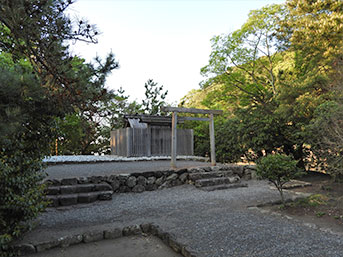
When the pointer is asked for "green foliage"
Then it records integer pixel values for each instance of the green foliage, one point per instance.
(41, 82)
(278, 169)
(326, 137)
(154, 97)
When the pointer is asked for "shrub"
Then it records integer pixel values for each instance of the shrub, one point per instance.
(278, 169)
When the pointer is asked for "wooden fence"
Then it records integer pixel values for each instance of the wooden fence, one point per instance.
(153, 141)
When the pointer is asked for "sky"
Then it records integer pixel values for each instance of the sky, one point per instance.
(164, 40)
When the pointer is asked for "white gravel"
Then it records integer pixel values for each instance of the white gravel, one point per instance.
(112, 158)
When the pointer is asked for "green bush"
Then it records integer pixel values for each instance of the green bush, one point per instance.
(278, 169)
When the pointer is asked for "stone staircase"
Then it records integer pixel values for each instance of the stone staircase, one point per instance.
(217, 178)
(71, 193)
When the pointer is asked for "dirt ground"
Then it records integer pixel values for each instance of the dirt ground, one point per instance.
(134, 246)
(324, 208)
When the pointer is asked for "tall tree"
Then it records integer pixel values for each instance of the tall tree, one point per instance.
(154, 97)
(41, 80)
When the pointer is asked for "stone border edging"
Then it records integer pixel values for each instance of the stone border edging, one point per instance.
(97, 235)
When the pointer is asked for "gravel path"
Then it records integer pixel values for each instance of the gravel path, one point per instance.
(109, 168)
(214, 223)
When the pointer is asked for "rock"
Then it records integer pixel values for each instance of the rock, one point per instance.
(53, 190)
(105, 195)
(146, 228)
(96, 179)
(234, 179)
(237, 169)
(151, 180)
(124, 189)
(83, 180)
(215, 168)
(25, 249)
(131, 181)
(66, 200)
(115, 184)
(181, 171)
(112, 178)
(160, 181)
(141, 181)
(69, 181)
(102, 187)
(172, 177)
(123, 178)
(85, 188)
(92, 236)
(183, 177)
(174, 244)
(150, 187)
(132, 230)
(87, 197)
(113, 233)
(138, 189)
(70, 240)
(53, 200)
(47, 245)
(53, 182)
(159, 174)
(69, 189)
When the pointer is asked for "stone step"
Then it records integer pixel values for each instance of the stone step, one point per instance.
(216, 181)
(224, 186)
(211, 174)
(78, 188)
(72, 199)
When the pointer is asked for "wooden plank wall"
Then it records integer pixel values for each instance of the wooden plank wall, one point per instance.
(154, 141)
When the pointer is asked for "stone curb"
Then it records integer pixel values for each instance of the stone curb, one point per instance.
(97, 235)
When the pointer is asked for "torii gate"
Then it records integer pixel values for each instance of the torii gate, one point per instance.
(175, 110)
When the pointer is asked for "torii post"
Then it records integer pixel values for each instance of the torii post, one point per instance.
(176, 110)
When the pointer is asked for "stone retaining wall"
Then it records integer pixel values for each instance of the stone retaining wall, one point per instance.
(152, 180)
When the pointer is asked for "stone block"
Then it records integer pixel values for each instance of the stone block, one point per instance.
(123, 178)
(53, 182)
(87, 197)
(158, 174)
(150, 187)
(154, 229)
(183, 177)
(146, 228)
(115, 184)
(53, 190)
(151, 180)
(92, 236)
(131, 181)
(174, 244)
(160, 181)
(96, 179)
(25, 249)
(83, 180)
(43, 246)
(85, 188)
(70, 240)
(138, 189)
(113, 233)
(66, 200)
(53, 200)
(102, 187)
(132, 230)
(105, 195)
(69, 181)
(172, 177)
(124, 189)
(141, 181)
(68, 189)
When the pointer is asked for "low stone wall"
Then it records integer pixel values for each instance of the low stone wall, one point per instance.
(113, 233)
(152, 180)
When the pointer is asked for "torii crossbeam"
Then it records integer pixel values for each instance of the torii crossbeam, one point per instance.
(176, 110)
